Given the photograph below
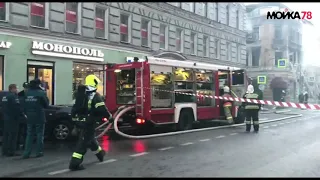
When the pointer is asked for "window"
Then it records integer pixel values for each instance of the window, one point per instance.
(81, 70)
(187, 6)
(38, 14)
(145, 33)
(238, 53)
(200, 9)
(217, 48)
(72, 15)
(228, 15)
(256, 56)
(126, 86)
(278, 32)
(205, 46)
(1, 73)
(161, 79)
(217, 11)
(256, 32)
(101, 22)
(163, 36)
(179, 39)
(228, 51)
(124, 28)
(193, 44)
(277, 56)
(184, 82)
(205, 86)
(176, 4)
(3, 11)
(238, 19)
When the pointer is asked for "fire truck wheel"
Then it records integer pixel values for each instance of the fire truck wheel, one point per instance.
(185, 120)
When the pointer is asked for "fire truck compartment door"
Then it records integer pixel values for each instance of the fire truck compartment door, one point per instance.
(180, 106)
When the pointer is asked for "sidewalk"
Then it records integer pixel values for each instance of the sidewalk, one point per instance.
(53, 155)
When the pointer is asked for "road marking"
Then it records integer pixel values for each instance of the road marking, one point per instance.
(281, 123)
(294, 120)
(265, 127)
(263, 119)
(139, 154)
(274, 125)
(218, 137)
(185, 144)
(232, 134)
(164, 149)
(107, 161)
(203, 140)
(59, 172)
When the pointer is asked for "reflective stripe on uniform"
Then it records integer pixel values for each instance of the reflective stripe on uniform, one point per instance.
(255, 122)
(77, 119)
(227, 104)
(77, 155)
(98, 150)
(99, 104)
(229, 118)
(252, 96)
(251, 107)
(248, 122)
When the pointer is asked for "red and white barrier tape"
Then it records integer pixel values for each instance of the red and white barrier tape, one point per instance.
(264, 102)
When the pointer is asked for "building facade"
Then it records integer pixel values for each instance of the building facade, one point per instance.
(274, 51)
(60, 43)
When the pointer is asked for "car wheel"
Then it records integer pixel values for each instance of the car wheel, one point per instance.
(62, 131)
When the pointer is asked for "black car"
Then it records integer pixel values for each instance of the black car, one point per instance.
(58, 125)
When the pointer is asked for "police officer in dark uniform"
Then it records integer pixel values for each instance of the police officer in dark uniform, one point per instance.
(252, 109)
(36, 101)
(88, 108)
(23, 120)
(11, 112)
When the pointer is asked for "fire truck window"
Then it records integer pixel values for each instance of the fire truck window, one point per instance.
(161, 85)
(126, 87)
(205, 86)
(181, 74)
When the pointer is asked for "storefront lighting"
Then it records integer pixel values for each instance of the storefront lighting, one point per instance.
(117, 70)
(77, 67)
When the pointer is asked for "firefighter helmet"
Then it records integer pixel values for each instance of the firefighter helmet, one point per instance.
(92, 81)
(226, 89)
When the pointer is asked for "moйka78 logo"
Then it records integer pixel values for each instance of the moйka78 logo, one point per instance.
(289, 14)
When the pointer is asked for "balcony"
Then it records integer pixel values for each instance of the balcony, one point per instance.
(252, 37)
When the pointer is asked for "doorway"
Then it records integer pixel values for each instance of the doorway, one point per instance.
(45, 74)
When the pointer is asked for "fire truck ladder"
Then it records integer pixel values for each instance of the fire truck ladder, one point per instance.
(139, 91)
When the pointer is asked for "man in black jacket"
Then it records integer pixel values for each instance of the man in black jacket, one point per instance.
(23, 120)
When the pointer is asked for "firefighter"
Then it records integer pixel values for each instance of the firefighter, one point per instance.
(227, 105)
(88, 108)
(252, 109)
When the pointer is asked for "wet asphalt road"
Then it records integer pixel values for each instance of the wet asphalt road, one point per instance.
(286, 148)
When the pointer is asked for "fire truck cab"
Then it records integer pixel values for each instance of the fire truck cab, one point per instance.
(165, 91)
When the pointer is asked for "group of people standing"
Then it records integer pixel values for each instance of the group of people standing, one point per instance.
(24, 112)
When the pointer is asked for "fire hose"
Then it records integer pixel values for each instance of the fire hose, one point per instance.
(123, 109)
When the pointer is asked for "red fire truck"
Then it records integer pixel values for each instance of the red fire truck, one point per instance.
(154, 87)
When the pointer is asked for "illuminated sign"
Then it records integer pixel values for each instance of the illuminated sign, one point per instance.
(5, 45)
(262, 79)
(58, 50)
(282, 63)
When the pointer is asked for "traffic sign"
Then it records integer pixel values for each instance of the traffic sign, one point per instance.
(262, 79)
(282, 63)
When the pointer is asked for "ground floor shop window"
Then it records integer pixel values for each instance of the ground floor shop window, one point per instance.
(1, 72)
(43, 71)
(81, 70)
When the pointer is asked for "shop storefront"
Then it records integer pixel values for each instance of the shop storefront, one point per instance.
(59, 64)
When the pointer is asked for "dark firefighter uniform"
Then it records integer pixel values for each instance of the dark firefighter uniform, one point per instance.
(35, 102)
(252, 109)
(11, 114)
(23, 121)
(227, 105)
(85, 112)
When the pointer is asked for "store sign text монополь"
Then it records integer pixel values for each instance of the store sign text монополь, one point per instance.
(58, 50)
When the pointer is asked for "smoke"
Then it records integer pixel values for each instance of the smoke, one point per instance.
(249, 26)
(310, 45)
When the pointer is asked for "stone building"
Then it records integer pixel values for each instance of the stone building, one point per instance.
(269, 40)
(60, 43)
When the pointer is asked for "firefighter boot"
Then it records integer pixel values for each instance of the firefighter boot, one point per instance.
(256, 126)
(248, 126)
(75, 162)
(100, 155)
